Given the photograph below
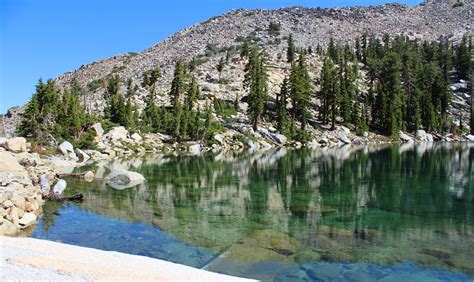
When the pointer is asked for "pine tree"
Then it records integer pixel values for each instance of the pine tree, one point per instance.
(146, 80)
(177, 85)
(155, 74)
(150, 115)
(52, 116)
(471, 123)
(391, 86)
(329, 92)
(427, 77)
(30, 124)
(112, 85)
(358, 49)
(463, 59)
(333, 51)
(220, 66)
(412, 115)
(344, 99)
(300, 90)
(244, 50)
(256, 83)
(43, 111)
(131, 89)
(193, 93)
(227, 56)
(282, 116)
(192, 65)
(291, 50)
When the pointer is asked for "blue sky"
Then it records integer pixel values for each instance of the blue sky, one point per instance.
(45, 38)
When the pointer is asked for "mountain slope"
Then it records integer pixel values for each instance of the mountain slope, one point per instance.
(309, 27)
(223, 36)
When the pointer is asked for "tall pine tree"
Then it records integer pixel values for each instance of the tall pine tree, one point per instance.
(255, 82)
(281, 100)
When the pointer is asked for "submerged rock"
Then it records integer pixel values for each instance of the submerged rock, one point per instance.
(437, 253)
(307, 255)
(272, 240)
(121, 179)
(89, 176)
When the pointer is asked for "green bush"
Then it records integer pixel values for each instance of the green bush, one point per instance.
(95, 84)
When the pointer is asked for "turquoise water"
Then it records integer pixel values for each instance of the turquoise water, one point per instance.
(349, 214)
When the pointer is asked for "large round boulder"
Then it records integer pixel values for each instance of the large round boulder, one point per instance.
(16, 144)
(121, 179)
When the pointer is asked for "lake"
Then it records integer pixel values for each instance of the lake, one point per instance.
(372, 213)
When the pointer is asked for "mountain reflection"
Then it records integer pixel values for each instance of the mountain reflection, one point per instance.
(350, 199)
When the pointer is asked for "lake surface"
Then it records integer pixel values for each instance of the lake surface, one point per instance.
(348, 214)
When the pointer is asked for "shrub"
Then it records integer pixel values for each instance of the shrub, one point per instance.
(95, 84)
(274, 29)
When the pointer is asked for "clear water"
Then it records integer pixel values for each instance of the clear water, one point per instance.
(349, 214)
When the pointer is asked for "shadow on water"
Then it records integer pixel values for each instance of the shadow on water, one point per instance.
(351, 212)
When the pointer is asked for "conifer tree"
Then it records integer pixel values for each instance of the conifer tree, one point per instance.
(31, 117)
(358, 49)
(291, 49)
(333, 51)
(43, 111)
(70, 116)
(300, 90)
(281, 100)
(329, 91)
(192, 65)
(193, 93)
(255, 82)
(130, 88)
(463, 59)
(112, 85)
(220, 66)
(471, 123)
(177, 85)
(244, 50)
(52, 116)
(146, 80)
(344, 99)
(391, 86)
(155, 74)
(150, 115)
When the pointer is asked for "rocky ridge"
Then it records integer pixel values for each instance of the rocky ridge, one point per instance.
(309, 26)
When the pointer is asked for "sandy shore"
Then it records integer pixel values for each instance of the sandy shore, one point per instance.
(33, 259)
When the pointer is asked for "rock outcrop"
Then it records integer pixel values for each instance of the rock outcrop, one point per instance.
(121, 179)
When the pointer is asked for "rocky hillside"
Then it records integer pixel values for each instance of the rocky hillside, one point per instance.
(213, 39)
(310, 26)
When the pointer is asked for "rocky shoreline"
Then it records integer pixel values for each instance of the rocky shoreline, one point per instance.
(21, 196)
(33, 259)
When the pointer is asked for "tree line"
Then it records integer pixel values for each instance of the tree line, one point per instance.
(406, 87)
